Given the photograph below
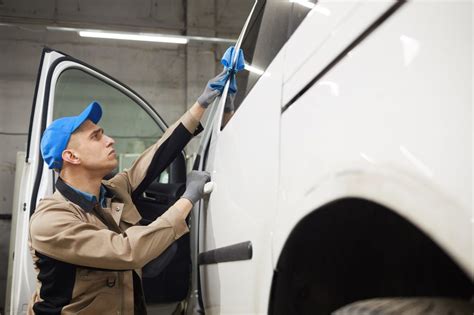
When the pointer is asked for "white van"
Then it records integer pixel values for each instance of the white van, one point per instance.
(342, 180)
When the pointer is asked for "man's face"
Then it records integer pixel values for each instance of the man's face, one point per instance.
(92, 149)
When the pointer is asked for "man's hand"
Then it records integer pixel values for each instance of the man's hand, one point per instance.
(209, 94)
(195, 185)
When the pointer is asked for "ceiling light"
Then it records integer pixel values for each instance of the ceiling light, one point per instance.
(181, 38)
(135, 37)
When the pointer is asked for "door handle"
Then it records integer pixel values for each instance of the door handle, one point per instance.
(208, 188)
(154, 197)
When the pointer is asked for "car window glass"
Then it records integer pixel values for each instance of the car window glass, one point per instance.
(271, 25)
(298, 13)
(123, 119)
(264, 37)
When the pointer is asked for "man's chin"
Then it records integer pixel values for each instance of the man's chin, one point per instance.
(110, 165)
(102, 169)
(113, 165)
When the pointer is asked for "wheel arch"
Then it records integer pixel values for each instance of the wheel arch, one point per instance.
(354, 248)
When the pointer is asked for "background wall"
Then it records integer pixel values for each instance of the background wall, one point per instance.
(170, 77)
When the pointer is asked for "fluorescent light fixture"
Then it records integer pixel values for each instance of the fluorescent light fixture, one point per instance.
(135, 37)
(64, 29)
(181, 38)
(253, 69)
(304, 3)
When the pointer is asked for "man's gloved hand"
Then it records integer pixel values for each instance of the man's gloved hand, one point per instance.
(195, 185)
(209, 94)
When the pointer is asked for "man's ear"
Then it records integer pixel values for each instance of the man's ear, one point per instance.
(69, 156)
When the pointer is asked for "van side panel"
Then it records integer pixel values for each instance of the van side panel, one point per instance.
(243, 203)
(391, 122)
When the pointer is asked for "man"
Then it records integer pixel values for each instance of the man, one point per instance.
(86, 245)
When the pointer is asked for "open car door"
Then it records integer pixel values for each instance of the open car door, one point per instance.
(65, 86)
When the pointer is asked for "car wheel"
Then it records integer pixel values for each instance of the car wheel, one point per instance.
(407, 306)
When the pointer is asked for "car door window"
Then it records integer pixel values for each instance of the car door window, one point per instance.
(123, 119)
(299, 10)
(272, 24)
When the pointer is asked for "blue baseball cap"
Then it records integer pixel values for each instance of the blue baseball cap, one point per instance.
(56, 136)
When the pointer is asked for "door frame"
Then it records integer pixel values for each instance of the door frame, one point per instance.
(47, 100)
(35, 171)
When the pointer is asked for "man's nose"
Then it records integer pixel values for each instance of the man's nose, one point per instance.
(109, 140)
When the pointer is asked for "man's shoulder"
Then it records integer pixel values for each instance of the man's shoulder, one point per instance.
(118, 184)
(55, 201)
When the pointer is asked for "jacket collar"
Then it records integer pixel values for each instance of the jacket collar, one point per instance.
(74, 196)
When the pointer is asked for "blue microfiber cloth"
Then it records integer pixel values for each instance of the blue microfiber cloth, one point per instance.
(230, 71)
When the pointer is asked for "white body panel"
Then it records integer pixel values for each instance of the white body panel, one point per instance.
(243, 202)
(390, 123)
(332, 26)
(395, 129)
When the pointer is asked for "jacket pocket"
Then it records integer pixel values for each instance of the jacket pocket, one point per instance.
(91, 284)
(103, 304)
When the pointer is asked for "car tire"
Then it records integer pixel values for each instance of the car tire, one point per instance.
(407, 306)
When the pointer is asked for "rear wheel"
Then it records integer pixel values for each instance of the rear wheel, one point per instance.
(407, 306)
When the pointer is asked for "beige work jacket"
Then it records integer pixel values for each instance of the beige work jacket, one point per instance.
(89, 258)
